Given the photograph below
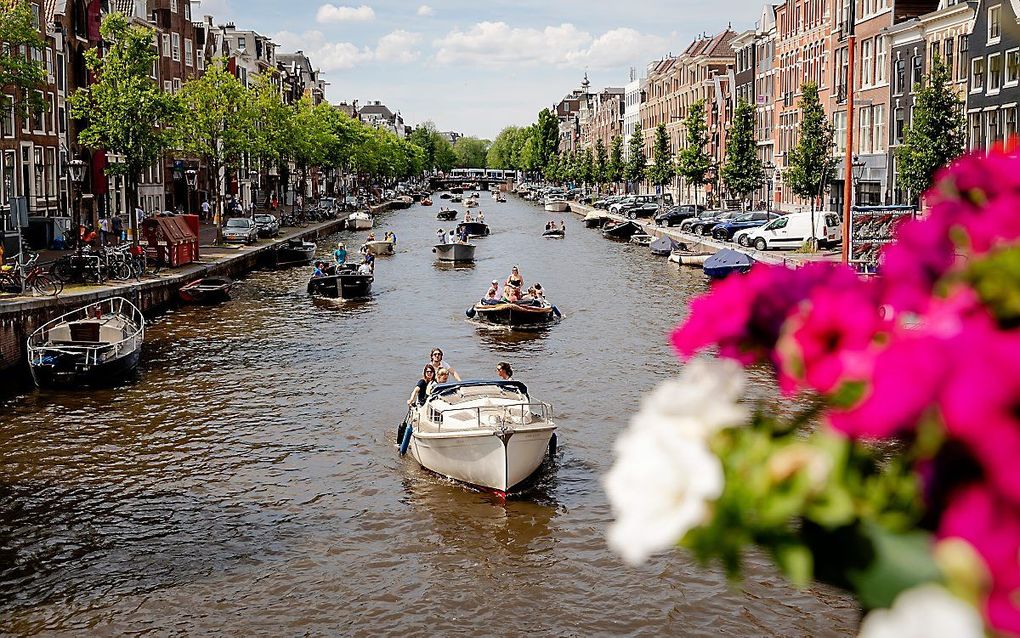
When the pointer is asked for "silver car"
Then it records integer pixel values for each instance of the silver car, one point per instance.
(240, 230)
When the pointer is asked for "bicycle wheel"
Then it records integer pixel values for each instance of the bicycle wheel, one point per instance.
(63, 269)
(121, 271)
(47, 286)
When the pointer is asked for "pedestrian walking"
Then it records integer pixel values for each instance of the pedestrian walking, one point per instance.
(116, 229)
(104, 231)
(205, 211)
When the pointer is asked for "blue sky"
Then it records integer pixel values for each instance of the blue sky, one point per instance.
(476, 66)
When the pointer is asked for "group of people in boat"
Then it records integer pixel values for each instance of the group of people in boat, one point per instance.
(387, 236)
(439, 371)
(366, 267)
(551, 225)
(480, 218)
(513, 290)
(451, 237)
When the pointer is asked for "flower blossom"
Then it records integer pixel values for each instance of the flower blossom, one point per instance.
(665, 475)
(926, 611)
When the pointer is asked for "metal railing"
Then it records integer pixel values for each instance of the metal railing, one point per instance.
(38, 345)
(498, 417)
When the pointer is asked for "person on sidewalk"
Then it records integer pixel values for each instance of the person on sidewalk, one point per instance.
(116, 229)
(205, 211)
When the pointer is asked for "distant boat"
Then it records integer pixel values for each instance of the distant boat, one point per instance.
(206, 290)
(404, 201)
(684, 257)
(556, 204)
(97, 344)
(474, 229)
(295, 252)
(641, 239)
(595, 219)
(456, 252)
(726, 262)
(621, 231)
(379, 247)
(555, 233)
(359, 221)
(447, 215)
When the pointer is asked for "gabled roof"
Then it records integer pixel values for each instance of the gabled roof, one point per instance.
(717, 45)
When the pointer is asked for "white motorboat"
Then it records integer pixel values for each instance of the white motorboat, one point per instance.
(489, 434)
(555, 204)
(455, 252)
(359, 221)
(379, 247)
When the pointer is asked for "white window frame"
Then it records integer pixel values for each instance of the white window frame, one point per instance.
(867, 63)
(175, 47)
(881, 135)
(200, 59)
(166, 45)
(994, 24)
(881, 60)
(1015, 54)
(168, 86)
(990, 90)
(189, 52)
(173, 6)
(974, 88)
(177, 85)
(866, 144)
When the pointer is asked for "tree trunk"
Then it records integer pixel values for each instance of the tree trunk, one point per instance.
(218, 199)
(132, 206)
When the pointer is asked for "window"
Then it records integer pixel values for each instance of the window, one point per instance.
(948, 49)
(173, 6)
(166, 45)
(35, 16)
(240, 43)
(839, 130)
(1010, 129)
(867, 63)
(200, 55)
(168, 86)
(38, 119)
(177, 84)
(8, 121)
(994, 73)
(899, 126)
(49, 65)
(176, 47)
(865, 131)
(901, 76)
(961, 63)
(977, 75)
(994, 29)
(61, 80)
(189, 52)
(62, 119)
(878, 121)
(881, 60)
(1012, 67)
(934, 53)
(916, 72)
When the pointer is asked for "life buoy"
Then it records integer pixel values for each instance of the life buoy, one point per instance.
(470, 312)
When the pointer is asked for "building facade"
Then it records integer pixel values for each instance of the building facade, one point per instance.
(993, 87)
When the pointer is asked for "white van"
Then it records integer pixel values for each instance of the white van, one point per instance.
(792, 231)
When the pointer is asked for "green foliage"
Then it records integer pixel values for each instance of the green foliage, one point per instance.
(811, 162)
(586, 169)
(937, 133)
(662, 171)
(437, 151)
(271, 138)
(743, 172)
(471, 152)
(634, 170)
(17, 70)
(552, 171)
(125, 110)
(600, 171)
(614, 169)
(996, 280)
(546, 132)
(693, 162)
(507, 150)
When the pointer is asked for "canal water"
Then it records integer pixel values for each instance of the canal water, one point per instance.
(248, 482)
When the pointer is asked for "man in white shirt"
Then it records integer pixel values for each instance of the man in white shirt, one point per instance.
(205, 210)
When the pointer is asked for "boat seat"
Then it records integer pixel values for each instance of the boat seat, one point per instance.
(76, 342)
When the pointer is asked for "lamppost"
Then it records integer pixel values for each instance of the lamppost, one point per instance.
(858, 166)
(770, 175)
(253, 176)
(190, 184)
(76, 171)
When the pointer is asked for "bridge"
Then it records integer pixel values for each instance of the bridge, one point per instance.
(483, 177)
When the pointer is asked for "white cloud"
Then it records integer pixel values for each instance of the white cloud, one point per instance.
(398, 46)
(497, 44)
(331, 13)
(218, 8)
(426, 10)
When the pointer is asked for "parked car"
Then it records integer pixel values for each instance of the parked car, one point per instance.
(632, 201)
(268, 225)
(792, 231)
(606, 202)
(703, 225)
(240, 230)
(725, 230)
(673, 215)
(644, 210)
(705, 215)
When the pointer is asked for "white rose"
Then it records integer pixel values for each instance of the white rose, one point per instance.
(926, 611)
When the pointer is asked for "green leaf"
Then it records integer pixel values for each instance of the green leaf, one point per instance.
(899, 562)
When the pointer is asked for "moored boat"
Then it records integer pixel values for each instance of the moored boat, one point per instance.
(402, 202)
(620, 230)
(359, 221)
(488, 434)
(556, 204)
(206, 290)
(456, 252)
(342, 282)
(641, 239)
(97, 344)
(426, 201)
(726, 262)
(516, 314)
(663, 246)
(688, 257)
(595, 219)
(474, 229)
(445, 196)
(295, 252)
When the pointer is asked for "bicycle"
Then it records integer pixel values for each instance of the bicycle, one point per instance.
(84, 267)
(26, 275)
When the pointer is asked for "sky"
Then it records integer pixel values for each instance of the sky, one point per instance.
(477, 66)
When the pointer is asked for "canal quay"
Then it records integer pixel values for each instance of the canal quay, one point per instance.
(247, 481)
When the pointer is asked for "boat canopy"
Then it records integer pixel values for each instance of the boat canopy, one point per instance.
(449, 388)
(664, 243)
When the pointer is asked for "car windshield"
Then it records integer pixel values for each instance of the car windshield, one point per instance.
(264, 218)
(238, 223)
(746, 217)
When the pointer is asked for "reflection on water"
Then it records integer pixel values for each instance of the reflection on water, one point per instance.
(248, 481)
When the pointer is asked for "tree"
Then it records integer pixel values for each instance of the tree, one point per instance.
(471, 152)
(551, 172)
(614, 169)
(743, 172)
(587, 167)
(126, 112)
(271, 138)
(546, 132)
(219, 126)
(694, 162)
(936, 135)
(635, 167)
(601, 169)
(505, 151)
(437, 151)
(663, 170)
(811, 161)
(17, 70)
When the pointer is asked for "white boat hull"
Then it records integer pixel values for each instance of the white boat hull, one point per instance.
(359, 221)
(379, 248)
(455, 252)
(484, 458)
(557, 207)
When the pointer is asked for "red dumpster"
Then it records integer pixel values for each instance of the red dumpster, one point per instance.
(171, 238)
(193, 224)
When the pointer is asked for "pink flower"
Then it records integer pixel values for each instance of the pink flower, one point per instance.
(976, 515)
(831, 339)
(912, 265)
(977, 179)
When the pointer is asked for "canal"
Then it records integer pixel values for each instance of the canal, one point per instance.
(248, 483)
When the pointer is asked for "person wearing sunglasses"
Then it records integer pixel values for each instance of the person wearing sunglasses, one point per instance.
(436, 361)
(420, 392)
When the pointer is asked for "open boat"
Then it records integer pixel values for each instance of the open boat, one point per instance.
(595, 219)
(447, 215)
(726, 262)
(621, 230)
(206, 290)
(555, 233)
(489, 434)
(402, 202)
(685, 257)
(295, 252)
(342, 282)
(97, 344)
(663, 246)
(359, 221)
(455, 252)
(379, 247)
(474, 229)
(641, 239)
(470, 202)
(445, 196)
(514, 315)
(427, 201)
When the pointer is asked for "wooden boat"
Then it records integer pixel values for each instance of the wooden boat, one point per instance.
(295, 252)
(206, 290)
(520, 314)
(342, 282)
(379, 247)
(456, 252)
(488, 434)
(663, 246)
(402, 202)
(726, 262)
(688, 257)
(447, 215)
(641, 239)
(555, 233)
(621, 231)
(474, 229)
(359, 221)
(97, 344)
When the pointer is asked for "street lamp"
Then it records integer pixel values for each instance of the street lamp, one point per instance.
(252, 184)
(76, 171)
(770, 175)
(858, 165)
(190, 182)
